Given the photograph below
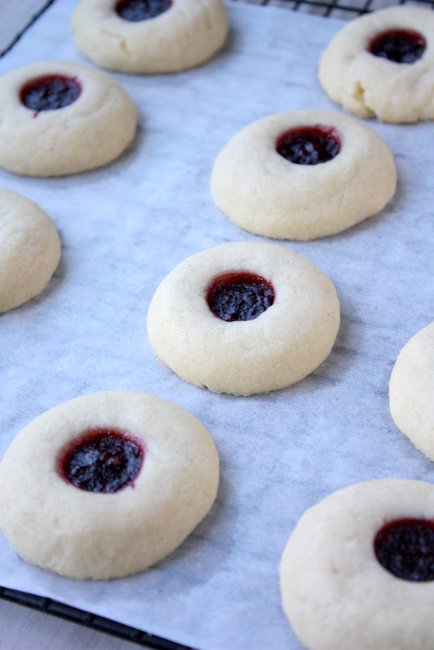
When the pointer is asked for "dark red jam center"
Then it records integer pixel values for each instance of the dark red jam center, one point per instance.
(101, 460)
(309, 145)
(398, 45)
(137, 10)
(50, 93)
(405, 547)
(239, 296)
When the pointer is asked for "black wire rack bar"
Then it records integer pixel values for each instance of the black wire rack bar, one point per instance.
(28, 26)
(345, 9)
(93, 621)
(327, 8)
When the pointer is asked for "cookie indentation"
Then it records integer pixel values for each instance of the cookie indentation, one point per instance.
(101, 460)
(50, 93)
(405, 548)
(239, 296)
(138, 10)
(309, 145)
(398, 45)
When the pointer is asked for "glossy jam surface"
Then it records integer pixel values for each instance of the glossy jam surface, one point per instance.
(309, 145)
(101, 460)
(239, 296)
(50, 93)
(137, 10)
(405, 548)
(398, 45)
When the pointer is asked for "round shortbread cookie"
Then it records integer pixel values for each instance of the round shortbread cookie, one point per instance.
(411, 390)
(303, 174)
(358, 570)
(62, 118)
(29, 249)
(382, 64)
(107, 484)
(149, 37)
(244, 318)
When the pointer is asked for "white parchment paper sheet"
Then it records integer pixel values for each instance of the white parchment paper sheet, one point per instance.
(123, 228)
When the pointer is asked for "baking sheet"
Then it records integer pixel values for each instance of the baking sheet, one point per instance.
(123, 228)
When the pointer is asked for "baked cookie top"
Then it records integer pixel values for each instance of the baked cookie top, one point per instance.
(149, 36)
(244, 318)
(303, 174)
(358, 569)
(107, 484)
(411, 390)
(382, 64)
(29, 249)
(70, 117)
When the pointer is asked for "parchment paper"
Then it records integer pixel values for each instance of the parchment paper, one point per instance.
(123, 228)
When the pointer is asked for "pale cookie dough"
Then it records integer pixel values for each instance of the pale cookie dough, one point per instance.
(264, 193)
(29, 250)
(185, 35)
(278, 347)
(411, 390)
(95, 534)
(369, 85)
(91, 131)
(335, 592)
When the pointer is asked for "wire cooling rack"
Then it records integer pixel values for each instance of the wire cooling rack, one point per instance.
(343, 9)
(98, 623)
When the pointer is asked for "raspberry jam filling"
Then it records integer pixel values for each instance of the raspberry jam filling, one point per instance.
(398, 45)
(49, 93)
(101, 460)
(309, 145)
(239, 296)
(405, 548)
(137, 10)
